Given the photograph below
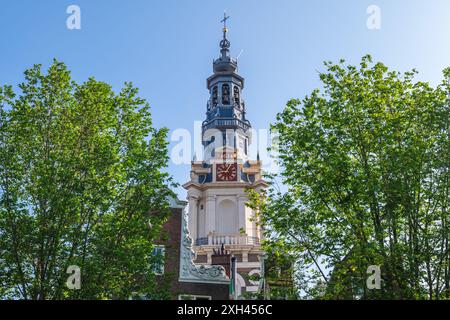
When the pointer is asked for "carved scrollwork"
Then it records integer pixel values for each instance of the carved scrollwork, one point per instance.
(191, 271)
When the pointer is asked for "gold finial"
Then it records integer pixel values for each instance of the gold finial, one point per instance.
(224, 20)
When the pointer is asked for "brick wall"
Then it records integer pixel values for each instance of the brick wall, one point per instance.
(171, 241)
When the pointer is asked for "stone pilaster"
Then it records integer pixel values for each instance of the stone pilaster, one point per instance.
(193, 217)
(210, 214)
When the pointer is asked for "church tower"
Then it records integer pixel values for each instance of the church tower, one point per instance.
(216, 192)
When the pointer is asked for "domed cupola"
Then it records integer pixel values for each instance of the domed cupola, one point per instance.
(225, 63)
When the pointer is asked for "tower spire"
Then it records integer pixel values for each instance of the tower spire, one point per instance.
(225, 43)
(224, 20)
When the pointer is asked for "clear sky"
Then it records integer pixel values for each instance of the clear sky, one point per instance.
(166, 47)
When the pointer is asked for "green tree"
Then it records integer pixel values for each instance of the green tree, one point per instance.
(82, 183)
(365, 166)
(279, 274)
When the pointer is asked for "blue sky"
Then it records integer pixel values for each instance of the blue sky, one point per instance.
(166, 47)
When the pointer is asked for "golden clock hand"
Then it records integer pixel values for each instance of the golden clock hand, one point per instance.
(225, 170)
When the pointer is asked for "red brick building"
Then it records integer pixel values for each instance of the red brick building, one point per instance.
(179, 288)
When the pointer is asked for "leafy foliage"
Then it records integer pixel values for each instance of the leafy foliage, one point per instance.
(81, 181)
(365, 163)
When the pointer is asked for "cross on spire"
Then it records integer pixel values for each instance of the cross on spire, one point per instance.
(225, 44)
(224, 20)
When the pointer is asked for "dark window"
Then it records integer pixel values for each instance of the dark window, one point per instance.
(214, 96)
(225, 94)
(236, 96)
(158, 265)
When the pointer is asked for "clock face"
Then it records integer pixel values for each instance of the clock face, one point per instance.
(226, 172)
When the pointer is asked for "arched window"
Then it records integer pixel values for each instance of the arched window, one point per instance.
(214, 96)
(246, 146)
(225, 94)
(227, 217)
(236, 97)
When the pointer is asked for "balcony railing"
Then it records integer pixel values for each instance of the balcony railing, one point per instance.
(213, 240)
(226, 123)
